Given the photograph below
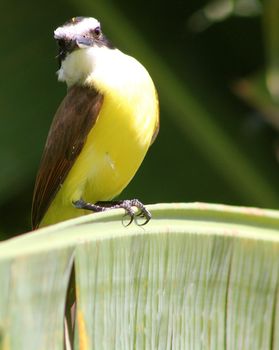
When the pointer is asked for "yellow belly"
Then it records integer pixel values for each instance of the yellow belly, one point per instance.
(113, 152)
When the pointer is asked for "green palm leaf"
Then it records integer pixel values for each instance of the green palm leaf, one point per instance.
(197, 276)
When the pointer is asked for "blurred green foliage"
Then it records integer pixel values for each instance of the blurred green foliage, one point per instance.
(215, 65)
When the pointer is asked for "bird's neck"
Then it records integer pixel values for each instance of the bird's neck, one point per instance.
(107, 70)
(81, 64)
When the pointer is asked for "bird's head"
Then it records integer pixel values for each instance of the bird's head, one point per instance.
(75, 38)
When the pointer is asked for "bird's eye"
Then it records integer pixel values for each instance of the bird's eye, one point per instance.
(97, 32)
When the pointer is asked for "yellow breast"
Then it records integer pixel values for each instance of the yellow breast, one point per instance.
(118, 142)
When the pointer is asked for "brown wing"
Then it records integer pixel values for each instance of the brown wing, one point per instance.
(72, 122)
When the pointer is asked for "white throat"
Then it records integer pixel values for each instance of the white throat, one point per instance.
(104, 68)
(76, 67)
(82, 63)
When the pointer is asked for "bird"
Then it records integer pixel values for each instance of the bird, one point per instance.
(101, 131)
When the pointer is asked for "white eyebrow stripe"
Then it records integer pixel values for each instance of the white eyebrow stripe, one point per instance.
(72, 29)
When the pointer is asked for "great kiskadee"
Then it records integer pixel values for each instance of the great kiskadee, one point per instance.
(101, 131)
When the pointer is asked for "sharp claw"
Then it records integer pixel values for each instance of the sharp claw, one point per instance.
(127, 205)
(147, 219)
(131, 216)
(130, 213)
(140, 215)
(145, 215)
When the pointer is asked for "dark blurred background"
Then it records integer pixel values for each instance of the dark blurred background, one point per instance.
(216, 68)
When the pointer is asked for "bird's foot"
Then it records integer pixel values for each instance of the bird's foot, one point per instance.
(126, 204)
